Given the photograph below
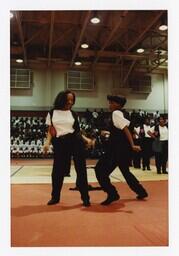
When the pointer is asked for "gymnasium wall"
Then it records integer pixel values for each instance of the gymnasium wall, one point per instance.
(48, 83)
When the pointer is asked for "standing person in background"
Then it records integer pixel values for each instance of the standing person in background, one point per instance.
(156, 114)
(66, 143)
(88, 115)
(118, 153)
(147, 133)
(137, 141)
(161, 157)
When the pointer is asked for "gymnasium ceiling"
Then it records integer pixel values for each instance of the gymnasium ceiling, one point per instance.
(52, 39)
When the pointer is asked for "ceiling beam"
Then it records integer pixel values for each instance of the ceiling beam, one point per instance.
(151, 69)
(19, 24)
(129, 71)
(159, 44)
(109, 39)
(68, 31)
(141, 35)
(35, 35)
(87, 17)
(115, 54)
(51, 36)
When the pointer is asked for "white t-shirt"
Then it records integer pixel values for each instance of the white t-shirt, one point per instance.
(62, 121)
(118, 120)
(148, 128)
(137, 130)
(163, 133)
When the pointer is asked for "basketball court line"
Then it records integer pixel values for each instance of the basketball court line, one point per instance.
(42, 175)
(15, 169)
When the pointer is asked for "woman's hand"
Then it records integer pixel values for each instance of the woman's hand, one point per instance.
(90, 143)
(46, 148)
(105, 133)
(136, 148)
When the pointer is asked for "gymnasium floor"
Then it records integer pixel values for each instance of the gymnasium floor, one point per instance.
(127, 222)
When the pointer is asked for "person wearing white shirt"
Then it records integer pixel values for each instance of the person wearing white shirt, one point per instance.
(147, 139)
(67, 142)
(161, 157)
(118, 153)
(137, 141)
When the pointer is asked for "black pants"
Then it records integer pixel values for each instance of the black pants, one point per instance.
(136, 156)
(64, 148)
(161, 158)
(146, 151)
(105, 167)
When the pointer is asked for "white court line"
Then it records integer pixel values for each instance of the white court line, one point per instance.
(14, 170)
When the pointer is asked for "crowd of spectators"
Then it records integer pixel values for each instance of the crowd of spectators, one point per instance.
(28, 133)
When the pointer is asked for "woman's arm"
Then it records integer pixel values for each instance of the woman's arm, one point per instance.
(152, 135)
(90, 143)
(105, 133)
(47, 142)
(130, 139)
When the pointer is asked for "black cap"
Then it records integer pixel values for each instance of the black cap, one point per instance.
(118, 99)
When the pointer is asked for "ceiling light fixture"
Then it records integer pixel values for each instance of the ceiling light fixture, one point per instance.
(19, 60)
(140, 50)
(78, 63)
(163, 27)
(84, 45)
(95, 20)
(160, 51)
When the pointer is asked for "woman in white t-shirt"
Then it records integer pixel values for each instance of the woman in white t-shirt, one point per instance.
(66, 143)
(161, 157)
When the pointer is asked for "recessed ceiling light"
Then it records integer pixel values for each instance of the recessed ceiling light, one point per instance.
(19, 60)
(95, 20)
(11, 15)
(84, 45)
(78, 63)
(163, 27)
(140, 50)
(166, 61)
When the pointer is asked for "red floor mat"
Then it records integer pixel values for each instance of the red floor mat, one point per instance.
(127, 222)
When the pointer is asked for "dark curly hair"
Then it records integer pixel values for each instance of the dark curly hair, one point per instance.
(61, 99)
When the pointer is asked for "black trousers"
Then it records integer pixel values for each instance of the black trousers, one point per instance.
(64, 148)
(105, 167)
(146, 151)
(136, 156)
(161, 158)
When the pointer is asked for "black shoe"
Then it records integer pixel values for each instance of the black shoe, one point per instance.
(53, 201)
(86, 203)
(164, 172)
(75, 188)
(110, 199)
(142, 196)
(148, 168)
(143, 168)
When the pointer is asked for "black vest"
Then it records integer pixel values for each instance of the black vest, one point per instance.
(118, 141)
